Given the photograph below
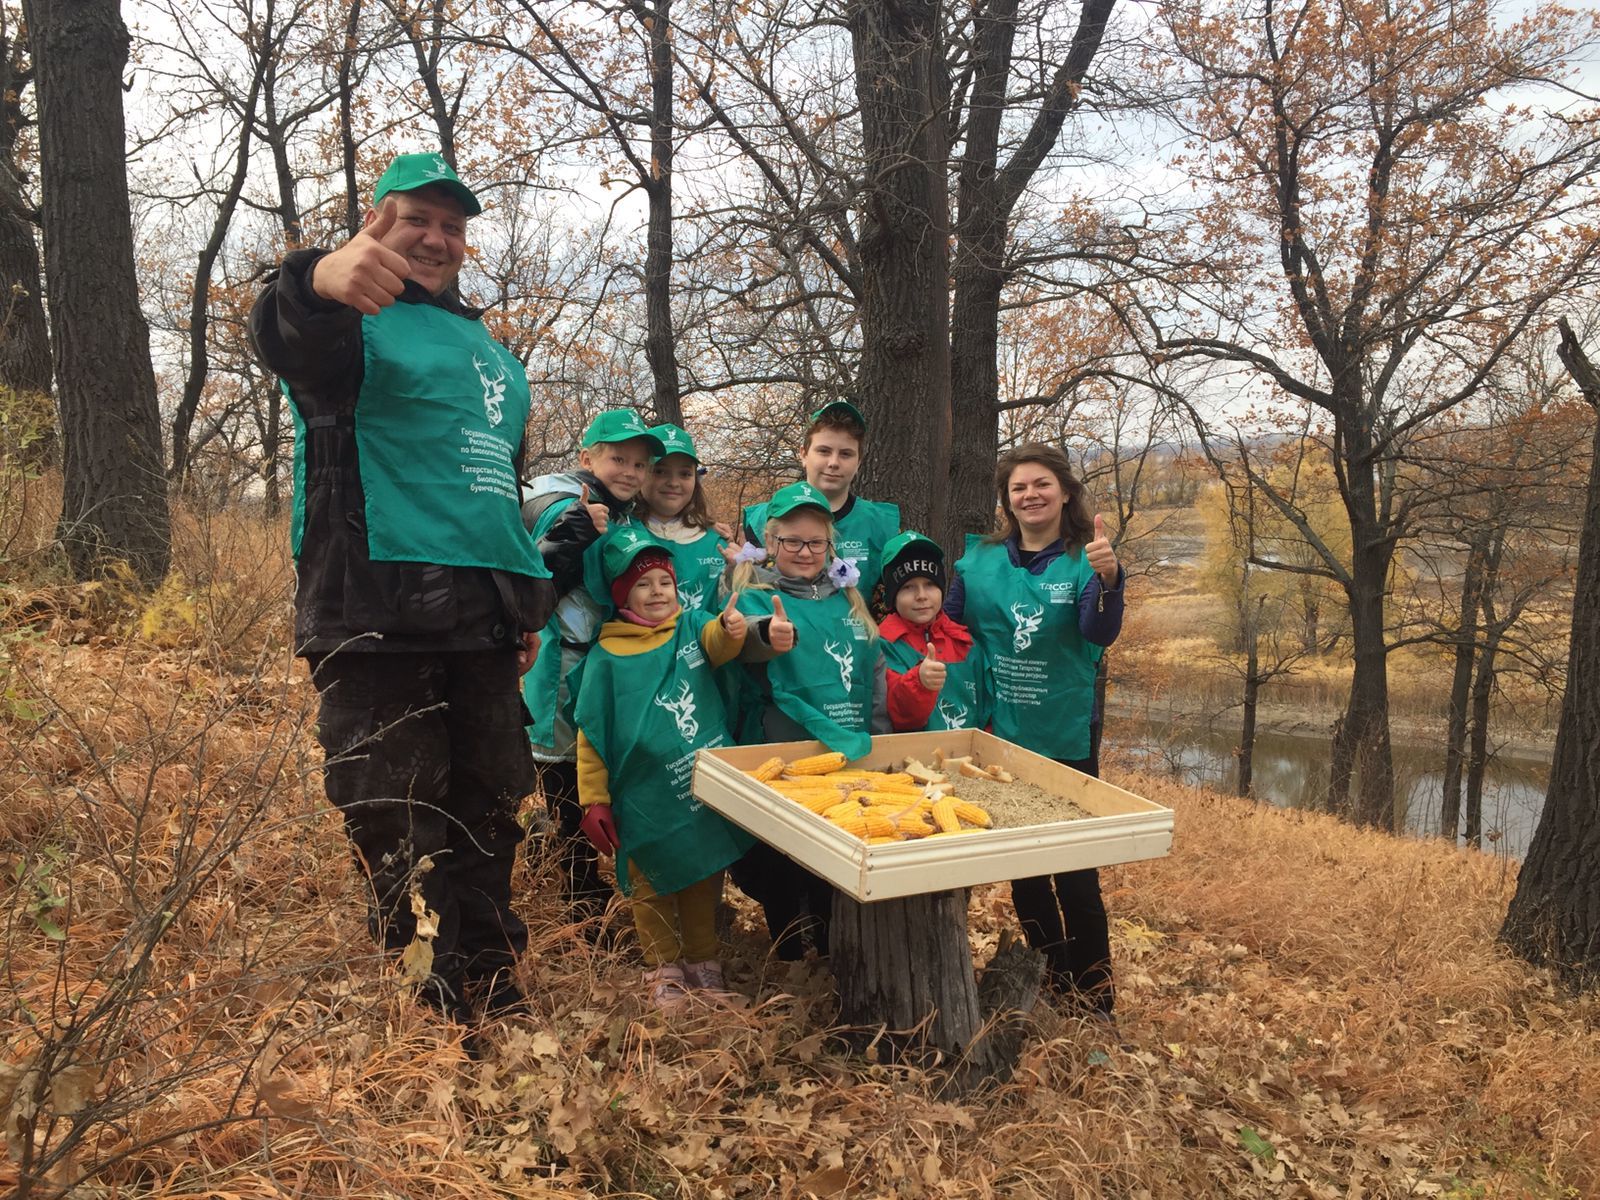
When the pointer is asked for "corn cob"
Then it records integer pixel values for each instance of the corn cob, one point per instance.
(865, 825)
(838, 812)
(816, 764)
(913, 826)
(878, 841)
(820, 803)
(896, 799)
(768, 771)
(971, 813)
(944, 815)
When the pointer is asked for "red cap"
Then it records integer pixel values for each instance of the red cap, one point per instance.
(648, 560)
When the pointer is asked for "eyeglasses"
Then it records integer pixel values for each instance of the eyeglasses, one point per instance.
(795, 545)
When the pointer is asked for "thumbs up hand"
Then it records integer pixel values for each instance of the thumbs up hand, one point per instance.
(598, 513)
(780, 632)
(364, 273)
(733, 620)
(930, 671)
(1100, 554)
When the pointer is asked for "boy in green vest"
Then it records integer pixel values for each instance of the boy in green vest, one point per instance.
(566, 514)
(419, 593)
(830, 457)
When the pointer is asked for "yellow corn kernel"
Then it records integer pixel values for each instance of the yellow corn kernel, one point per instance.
(838, 812)
(816, 764)
(913, 826)
(895, 799)
(972, 814)
(944, 815)
(856, 824)
(768, 771)
(878, 841)
(878, 825)
(819, 803)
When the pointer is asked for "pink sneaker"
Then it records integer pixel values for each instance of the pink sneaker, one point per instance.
(667, 986)
(707, 977)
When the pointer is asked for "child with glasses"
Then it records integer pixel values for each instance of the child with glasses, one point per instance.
(832, 687)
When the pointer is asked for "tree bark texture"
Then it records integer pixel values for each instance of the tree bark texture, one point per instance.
(905, 271)
(115, 502)
(1554, 918)
(659, 344)
(905, 978)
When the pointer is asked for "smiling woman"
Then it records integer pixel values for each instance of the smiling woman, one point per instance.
(1043, 598)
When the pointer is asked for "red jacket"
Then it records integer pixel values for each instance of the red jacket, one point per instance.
(911, 704)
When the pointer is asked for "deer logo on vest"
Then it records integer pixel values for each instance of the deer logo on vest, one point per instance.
(842, 656)
(494, 390)
(681, 707)
(953, 715)
(1028, 618)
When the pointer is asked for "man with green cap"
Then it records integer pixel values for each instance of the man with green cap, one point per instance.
(419, 592)
(830, 456)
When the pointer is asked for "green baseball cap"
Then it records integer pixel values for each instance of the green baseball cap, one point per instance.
(623, 544)
(847, 408)
(674, 439)
(797, 495)
(621, 425)
(898, 545)
(410, 171)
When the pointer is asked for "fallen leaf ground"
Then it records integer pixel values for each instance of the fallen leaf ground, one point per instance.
(191, 1007)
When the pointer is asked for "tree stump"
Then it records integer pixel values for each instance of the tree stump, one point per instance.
(904, 972)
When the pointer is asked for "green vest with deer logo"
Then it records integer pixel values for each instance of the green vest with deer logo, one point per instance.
(1027, 627)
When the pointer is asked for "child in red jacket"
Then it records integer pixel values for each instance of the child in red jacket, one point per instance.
(937, 678)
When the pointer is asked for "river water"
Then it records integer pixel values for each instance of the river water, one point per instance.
(1291, 770)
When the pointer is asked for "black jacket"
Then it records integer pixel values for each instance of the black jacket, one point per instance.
(343, 598)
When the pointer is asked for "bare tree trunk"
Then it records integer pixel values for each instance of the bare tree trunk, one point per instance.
(659, 342)
(1460, 688)
(986, 197)
(347, 133)
(1252, 692)
(114, 505)
(24, 334)
(194, 383)
(1478, 742)
(1554, 918)
(904, 239)
(1361, 740)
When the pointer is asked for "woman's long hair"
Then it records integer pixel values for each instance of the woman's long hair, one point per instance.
(744, 578)
(1077, 525)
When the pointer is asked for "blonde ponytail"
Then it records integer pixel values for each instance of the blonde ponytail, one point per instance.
(859, 609)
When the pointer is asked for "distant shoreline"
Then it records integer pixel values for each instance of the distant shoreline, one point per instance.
(1287, 720)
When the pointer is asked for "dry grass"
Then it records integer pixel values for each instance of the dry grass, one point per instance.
(213, 1023)
(219, 1026)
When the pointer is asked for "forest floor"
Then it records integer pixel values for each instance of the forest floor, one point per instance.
(191, 1008)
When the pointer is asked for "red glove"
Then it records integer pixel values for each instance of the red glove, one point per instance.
(599, 827)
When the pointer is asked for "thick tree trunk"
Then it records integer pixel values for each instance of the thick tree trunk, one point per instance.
(659, 343)
(114, 505)
(1460, 688)
(904, 237)
(1554, 918)
(1361, 740)
(905, 979)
